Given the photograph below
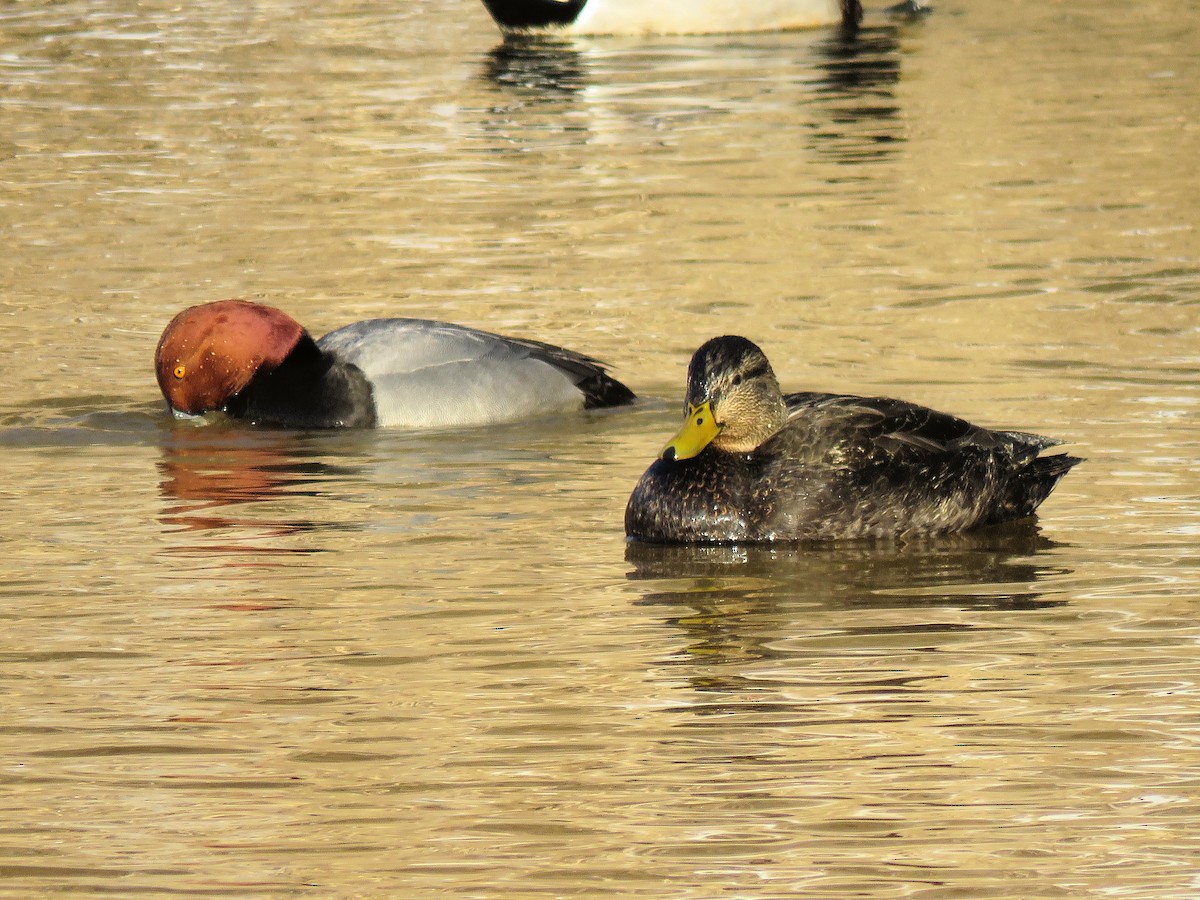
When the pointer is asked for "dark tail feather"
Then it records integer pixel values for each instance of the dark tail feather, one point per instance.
(597, 386)
(1032, 484)
(601, 389)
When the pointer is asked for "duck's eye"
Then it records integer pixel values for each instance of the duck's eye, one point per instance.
(180, 371)
(737, 379)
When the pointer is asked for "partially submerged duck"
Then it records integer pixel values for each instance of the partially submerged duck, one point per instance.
(256, 362)
(752, 465)
(639, 17)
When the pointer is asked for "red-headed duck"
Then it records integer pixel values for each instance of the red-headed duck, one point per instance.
(256, 362)
(752, 464)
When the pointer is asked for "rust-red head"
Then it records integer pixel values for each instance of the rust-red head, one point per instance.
(209, 353)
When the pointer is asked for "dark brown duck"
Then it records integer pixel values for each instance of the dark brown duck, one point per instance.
(753, 465)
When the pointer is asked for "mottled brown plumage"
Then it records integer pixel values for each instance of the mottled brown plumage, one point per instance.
(752, 464)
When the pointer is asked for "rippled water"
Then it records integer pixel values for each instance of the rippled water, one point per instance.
(263, 663)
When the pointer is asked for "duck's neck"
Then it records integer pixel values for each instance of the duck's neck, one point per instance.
(309, 389)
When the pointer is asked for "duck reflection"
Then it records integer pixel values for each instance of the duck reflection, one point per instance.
(857, 95)
(843, 79)
(537, 67)
(218, 480)
(741, 601)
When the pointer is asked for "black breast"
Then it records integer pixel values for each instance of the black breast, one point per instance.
(527, 14)
(310, 389)
(706, 498)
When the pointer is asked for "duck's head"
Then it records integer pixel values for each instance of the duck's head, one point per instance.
(733, 400)
(209, 353)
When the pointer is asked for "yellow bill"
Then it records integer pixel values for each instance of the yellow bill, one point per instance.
(697, 432)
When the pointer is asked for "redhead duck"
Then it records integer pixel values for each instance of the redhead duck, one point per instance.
(753, 465)
(257, 363)
(616, 17)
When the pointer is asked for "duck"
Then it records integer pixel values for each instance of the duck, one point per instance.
(255, 362)
(753, 465)
(637, 17)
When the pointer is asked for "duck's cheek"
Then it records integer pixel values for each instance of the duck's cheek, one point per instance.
(182, 399)
(189, 399)
(173, 393)
(212, 383)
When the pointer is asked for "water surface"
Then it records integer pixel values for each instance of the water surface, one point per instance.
(263, 663)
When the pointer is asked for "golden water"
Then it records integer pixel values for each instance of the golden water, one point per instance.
(384, 664)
